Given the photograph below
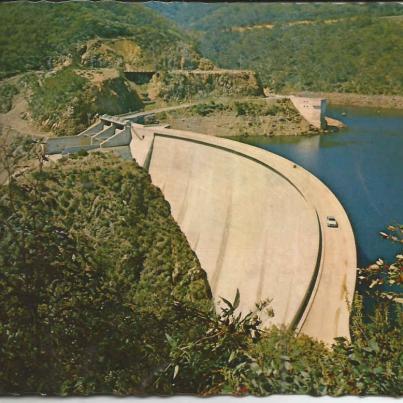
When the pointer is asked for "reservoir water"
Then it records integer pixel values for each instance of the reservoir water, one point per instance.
(362, 164)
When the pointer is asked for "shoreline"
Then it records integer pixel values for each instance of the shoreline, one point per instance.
(352, 99)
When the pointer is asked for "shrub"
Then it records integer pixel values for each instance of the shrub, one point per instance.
(7, 92)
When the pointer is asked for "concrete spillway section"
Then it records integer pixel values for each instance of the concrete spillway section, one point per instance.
(257, 222)
(109, 131)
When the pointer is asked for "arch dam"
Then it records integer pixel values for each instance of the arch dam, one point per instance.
(256, 221)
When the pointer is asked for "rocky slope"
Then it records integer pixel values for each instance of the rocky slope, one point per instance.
(244, 117)
(66, 100)
(184, 84)
(60, 31)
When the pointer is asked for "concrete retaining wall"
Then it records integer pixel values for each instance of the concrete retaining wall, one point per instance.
(72, 150)
(58, 144)
(105, 133)
(117, 133)
(95, 128)
(121, 138)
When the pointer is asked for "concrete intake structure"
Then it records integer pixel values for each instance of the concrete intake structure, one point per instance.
(313, 110)
(256, 221)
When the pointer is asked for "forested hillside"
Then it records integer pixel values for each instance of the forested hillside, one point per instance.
(212, 16)
(294, 47)
(101, 293)
(361, 55)
(91, 263)
(36, 35)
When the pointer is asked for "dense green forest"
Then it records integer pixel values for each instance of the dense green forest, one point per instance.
(91, 262)
(219, 16)
(362, 56)
(35, 35)
(101, 293)
(344, 48)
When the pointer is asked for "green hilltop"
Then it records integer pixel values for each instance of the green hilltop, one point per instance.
(360, 55)
(66, 61)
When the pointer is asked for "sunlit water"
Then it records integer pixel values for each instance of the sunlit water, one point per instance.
(362, 165)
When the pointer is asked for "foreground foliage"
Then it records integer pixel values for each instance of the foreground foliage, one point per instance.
(100, 293)
(235, 356)
(91, 262)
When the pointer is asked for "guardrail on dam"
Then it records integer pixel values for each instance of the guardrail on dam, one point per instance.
(257, 222)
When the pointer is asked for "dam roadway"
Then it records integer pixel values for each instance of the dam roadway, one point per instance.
(257, 223)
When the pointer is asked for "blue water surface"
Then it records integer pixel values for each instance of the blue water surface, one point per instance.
(362, 164)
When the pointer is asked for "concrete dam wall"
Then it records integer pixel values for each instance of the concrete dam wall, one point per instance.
(257, 222)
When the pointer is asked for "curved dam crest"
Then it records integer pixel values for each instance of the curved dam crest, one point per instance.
(239, 228)
(256, 221)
